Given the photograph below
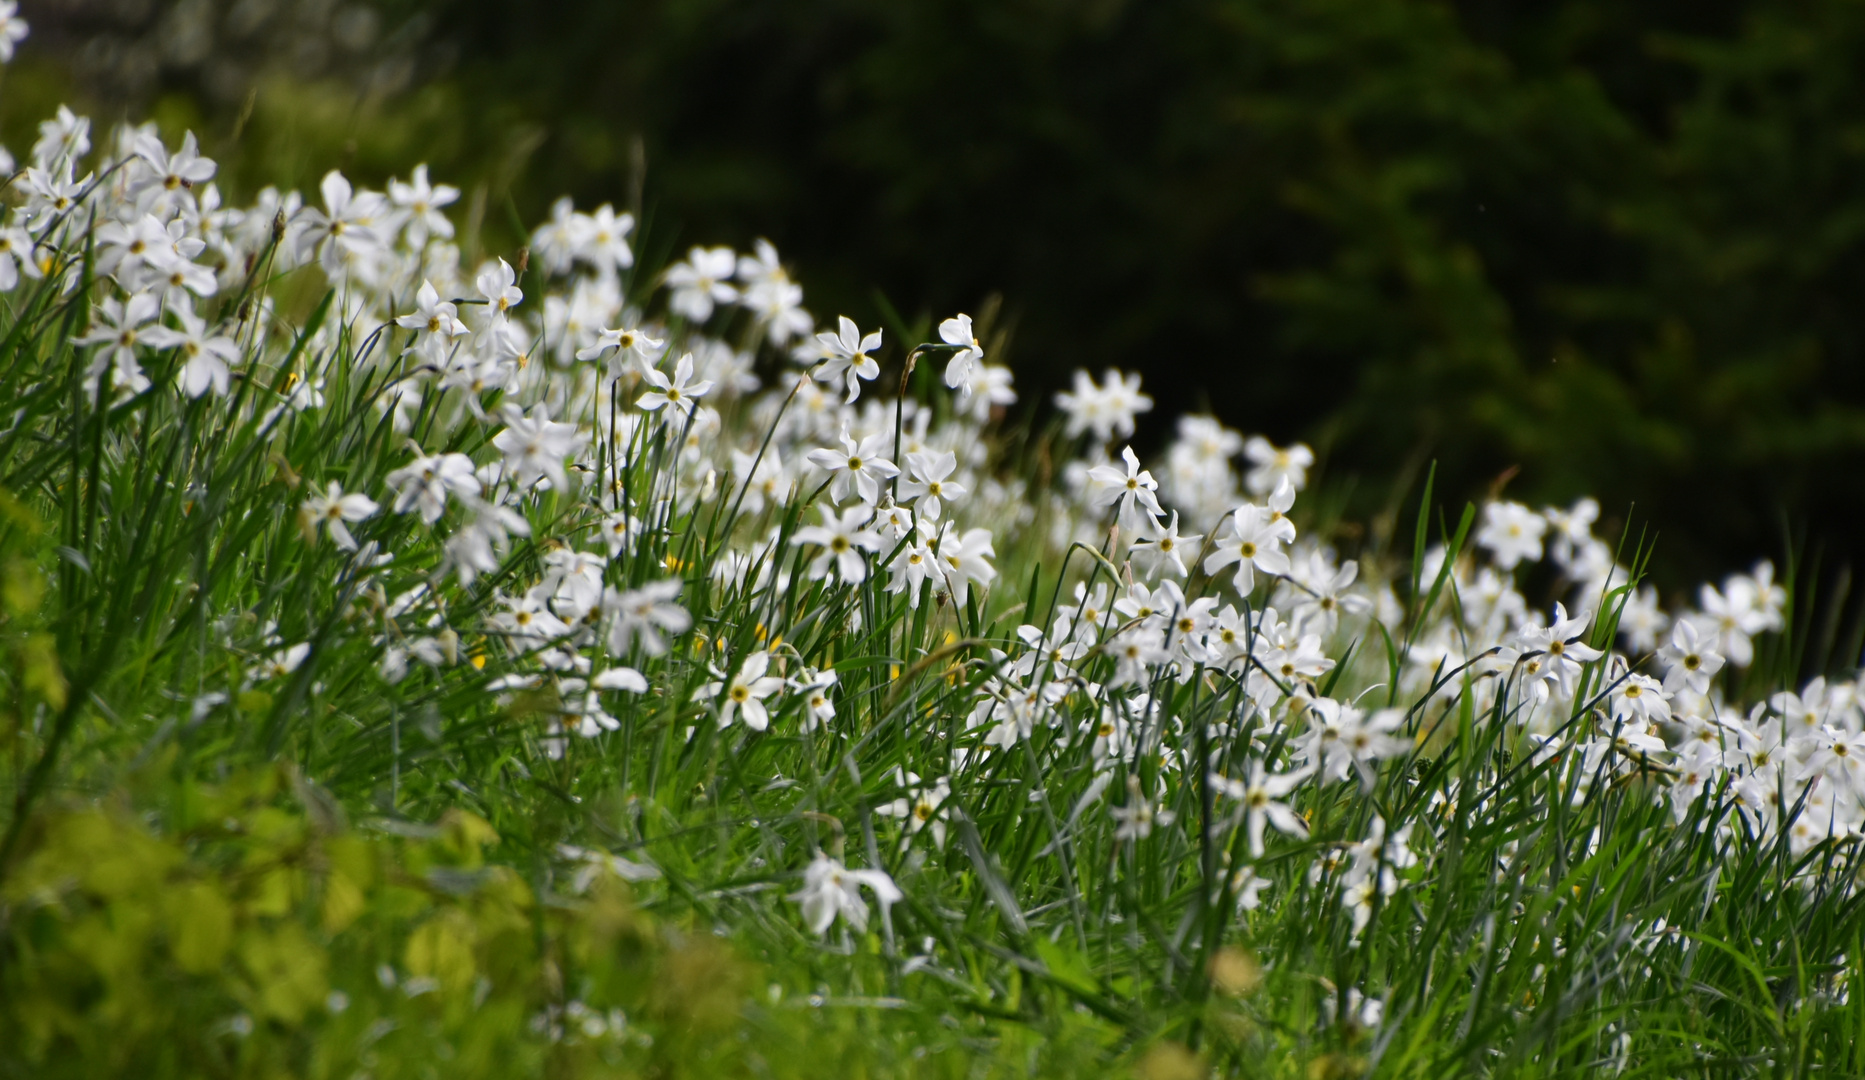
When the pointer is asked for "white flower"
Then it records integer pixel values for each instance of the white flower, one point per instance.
(771, 296)
(330, 510)
(621, 678)
(16, 257)
(205, 358)
(1138, 816)
(642, 615)
(1253, 539)
(435, 652)
(436, 321)
(630, 343)
(842, 538)
(857, 468)
(120, 329)
(572, 582)
(927, 483)
(962, 368)
(183, 278)
(1765, 600)
(831, 889)
(1297, 661)
(1812, 707)
(765, 480)
(419, 205)
(1342, 737)
(1082, 406)
(62, 139)
(306, 394)
(964, 560)
(1248, 888)
(534, 446)
(1113, 737)
(1129, 492)
(1259, 792)
(699, 283)
(922, 806)
(1511, 532)
(423, 483)
(596, 863)
(282, 663)
(1165, 549)
(1689, 662)
(813, 687)
(475, 548)
(1729, 620)
(1562, 653)
(498, 284)
(126, 249)
(678, 394)
(1205, 440)
(1838, 755)
(990, 389)
(344, 232)
(845, 353)
(1326, 597)
(1641, 620)
(1640, 699)
(914, 564)
(1572, 529)
(1136, 651)
(170, 175)
(1271, 465)
(556, 241)
(742, 695)
(1153, 607)
(762, 267)
(1108, 410)
(603, 243)
(896, 522)
(50, 197)
(13, 29)
(620, 531)
(1698, 767)
(529, 620)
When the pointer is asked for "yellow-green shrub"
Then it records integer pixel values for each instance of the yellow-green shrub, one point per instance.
(253, 934)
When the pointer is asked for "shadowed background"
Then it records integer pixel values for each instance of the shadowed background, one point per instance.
(1615, 247)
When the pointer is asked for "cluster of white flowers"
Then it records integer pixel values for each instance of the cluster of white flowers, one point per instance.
(602, 426)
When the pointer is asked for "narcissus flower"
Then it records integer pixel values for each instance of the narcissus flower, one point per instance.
(831, 889)
(843, 538)
(418, 206)
(206, 358)
(677, 395)
(964, 365)
(845, 355)
(1129, 491)
(331, 510)
(741, 695)
(928, 485)
(1688, 660)
(856, 468)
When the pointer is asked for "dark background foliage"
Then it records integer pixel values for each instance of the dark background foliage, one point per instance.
(1614, 246)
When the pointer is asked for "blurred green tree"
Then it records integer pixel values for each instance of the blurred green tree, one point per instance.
(1615, 245)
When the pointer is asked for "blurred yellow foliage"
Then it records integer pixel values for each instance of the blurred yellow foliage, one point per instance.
(252, 932)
